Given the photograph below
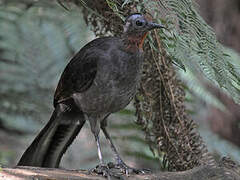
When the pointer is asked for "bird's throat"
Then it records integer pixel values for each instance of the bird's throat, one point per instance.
(135, 42)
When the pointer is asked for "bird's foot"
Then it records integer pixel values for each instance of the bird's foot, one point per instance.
(106, 171)
(101, 169)
(128, 170)
(116, 170)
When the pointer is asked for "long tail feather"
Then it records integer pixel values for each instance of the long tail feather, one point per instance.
(51, 143)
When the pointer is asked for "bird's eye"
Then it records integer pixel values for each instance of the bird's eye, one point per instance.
(139, 23)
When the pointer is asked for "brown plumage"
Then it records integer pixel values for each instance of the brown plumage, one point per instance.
(101, 79)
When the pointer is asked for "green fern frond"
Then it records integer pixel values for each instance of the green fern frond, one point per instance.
(36, 43)
(194, 44)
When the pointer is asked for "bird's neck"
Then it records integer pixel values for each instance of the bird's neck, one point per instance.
(134, 42)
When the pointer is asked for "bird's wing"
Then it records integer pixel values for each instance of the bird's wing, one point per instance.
(78, 75)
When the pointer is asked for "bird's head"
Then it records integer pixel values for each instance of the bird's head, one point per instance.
(137, 23)
(135, 30)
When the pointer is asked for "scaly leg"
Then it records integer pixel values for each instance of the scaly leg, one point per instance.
(120, 162)
(99, 149)
(101, 168)
(117, 156)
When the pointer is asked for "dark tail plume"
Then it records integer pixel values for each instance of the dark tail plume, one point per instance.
(51, 143)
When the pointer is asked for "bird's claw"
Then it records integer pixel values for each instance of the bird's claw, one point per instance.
(106, 171)
(116, 170)
(128, 170)
(102, 169)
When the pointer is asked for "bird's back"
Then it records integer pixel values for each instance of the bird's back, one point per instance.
(81, 70)
(103, 71)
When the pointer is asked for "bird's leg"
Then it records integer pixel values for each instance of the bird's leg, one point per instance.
(107, 136)
(102, 168)
(120, 163)
(99, 149)
(95, 128)
(117, 156)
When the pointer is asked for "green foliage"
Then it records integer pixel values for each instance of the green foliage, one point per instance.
(36, 42)
(193, 43)
(195, 86)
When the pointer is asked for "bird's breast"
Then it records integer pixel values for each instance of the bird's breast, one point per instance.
(115, 84)
(122, 81)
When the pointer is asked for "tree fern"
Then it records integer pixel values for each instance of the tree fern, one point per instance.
(195, 45)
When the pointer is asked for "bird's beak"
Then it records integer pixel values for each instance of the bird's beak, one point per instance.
(152, 25)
